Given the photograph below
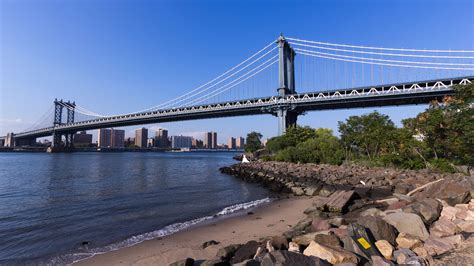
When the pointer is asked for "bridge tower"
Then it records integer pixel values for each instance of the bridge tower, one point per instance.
(70, 119)
(287, 115)
(58, 116)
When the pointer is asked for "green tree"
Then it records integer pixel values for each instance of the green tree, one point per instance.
(367, 134)
(292, 137)
(253, 142)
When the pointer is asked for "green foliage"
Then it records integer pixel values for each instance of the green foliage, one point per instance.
(438, 138)
(367, 134)
(443, 165)
(253, 142)
(321, 147)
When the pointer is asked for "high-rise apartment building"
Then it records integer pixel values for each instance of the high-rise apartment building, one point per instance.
(178, 142)
(240, 143)
(111, 138)
(214, 140)
(117, 138)
(82, 139)
(197, 143)
(231, 143)
(141, 137)
(208, 140)
(161, 138)
(104, 139)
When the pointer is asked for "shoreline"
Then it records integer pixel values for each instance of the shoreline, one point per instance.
(266, 220)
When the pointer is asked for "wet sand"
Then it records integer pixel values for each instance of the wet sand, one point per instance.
(271, 219)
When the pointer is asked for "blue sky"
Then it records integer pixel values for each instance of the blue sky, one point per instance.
(123, 56)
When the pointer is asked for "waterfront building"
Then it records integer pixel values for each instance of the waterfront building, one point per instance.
(117, 138)
(141, 137)
(214, 140)
(104, 138)
(151, 143)
(197, 143)
(240, 143)
(231, 143)
(178, 142)
(161, 138)
(208, 140)
(82, 139)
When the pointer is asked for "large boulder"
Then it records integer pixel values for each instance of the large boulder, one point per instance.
(278, 242)
(245, 252)
(226, 253)
(437, 246)
(453, 192)
(331, 254)
(379, 228)
(287, 258)
(305, 239)
(408, 223)
(319, 225)
(329, 240)
(428, 209)
(444, 227)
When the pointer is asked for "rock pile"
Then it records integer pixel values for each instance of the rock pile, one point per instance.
(374, 182)
(397, 217)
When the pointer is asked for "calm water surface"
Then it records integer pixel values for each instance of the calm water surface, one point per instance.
(51, 203)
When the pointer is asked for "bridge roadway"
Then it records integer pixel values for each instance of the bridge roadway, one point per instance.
(420, 92)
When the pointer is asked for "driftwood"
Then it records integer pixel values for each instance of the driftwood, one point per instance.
(424, 186)
(336, 202)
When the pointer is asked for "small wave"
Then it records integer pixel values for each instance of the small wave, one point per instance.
(165, 231)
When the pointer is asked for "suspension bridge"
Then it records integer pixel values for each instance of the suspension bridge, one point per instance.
(328, 75)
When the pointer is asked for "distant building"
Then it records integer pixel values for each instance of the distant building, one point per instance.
(178, 142)
(117, 138)
(129, 142)
(197, 143)
(104, 138)
(110, 138)
(208, 140)
(214, 140)
(231, 143)
(161, 138)
(151, 143)
(141, 137)
(240, 143)
(82, 139)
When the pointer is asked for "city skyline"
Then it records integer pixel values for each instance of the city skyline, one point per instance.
(151, 56)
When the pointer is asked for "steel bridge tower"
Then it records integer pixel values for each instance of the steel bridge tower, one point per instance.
(286, 113)
(58, 116)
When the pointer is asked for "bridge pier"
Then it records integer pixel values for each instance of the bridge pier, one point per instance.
(286, 114)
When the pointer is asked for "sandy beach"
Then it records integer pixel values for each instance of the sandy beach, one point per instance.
(271, 219)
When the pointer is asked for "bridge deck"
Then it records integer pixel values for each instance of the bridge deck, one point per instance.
(384, 95)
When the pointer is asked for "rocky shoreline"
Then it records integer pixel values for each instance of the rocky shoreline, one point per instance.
(360, 216)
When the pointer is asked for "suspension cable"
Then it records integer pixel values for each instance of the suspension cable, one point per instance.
(382, 48)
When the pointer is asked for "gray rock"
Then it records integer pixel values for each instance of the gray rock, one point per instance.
(209, 243)
(379, 261)
(428, 209)
(185, 262)
(379, 228)
(416, 260)
(408, 223)
(286, 258)
(245, 252)
(278, 242)
(452, 191)
(328, 240)
(402, 255)
(226, 253)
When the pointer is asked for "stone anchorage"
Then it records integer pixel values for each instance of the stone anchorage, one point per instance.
(401, 217)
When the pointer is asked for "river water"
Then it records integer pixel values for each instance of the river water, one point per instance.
(60, 208)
